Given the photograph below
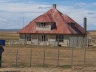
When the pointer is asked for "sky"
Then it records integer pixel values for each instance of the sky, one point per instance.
(15, 14)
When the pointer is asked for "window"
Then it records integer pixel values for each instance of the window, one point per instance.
(72, 24)
(59, 38)
(28, 37)
(21, 36)
(42, 24)
(43, 37)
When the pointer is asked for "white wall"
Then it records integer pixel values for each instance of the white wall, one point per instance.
(69, 40)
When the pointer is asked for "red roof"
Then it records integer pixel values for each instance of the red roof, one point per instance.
(62, 24)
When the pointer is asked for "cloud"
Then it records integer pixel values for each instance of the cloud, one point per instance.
(94, 3)
(3, 19)
(94, 17)
(91, 27)
(90, 13)
(44, 7)
(22, 6)
(80, 5)
(3, 11)
(2, 1)
(13, 11)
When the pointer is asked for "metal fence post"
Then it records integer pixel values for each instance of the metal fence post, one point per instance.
(16, 57)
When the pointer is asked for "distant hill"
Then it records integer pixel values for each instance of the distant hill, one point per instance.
(92, 30)
(9, 29)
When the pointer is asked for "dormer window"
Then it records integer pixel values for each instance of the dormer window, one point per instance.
(72, 24)
(42, 25)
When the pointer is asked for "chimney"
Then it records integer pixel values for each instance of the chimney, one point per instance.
(85, 25)
(54, 6)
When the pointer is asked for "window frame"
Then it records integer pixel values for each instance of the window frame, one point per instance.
(28, 37)
(43, 38)
(59, 38)
(72, 24)
(42, 24)
(21, 36)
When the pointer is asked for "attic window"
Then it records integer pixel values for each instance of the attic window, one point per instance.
(72, 24)
(42, 25)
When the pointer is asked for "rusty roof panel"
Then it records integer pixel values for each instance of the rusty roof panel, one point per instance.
(44, 18)
(53, 15)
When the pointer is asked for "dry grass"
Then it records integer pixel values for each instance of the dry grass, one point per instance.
(9, 56)
(7, 35)
(92, 34)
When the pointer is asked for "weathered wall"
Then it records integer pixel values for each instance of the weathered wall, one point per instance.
(69, 40)
(34, 40)
(76, 41)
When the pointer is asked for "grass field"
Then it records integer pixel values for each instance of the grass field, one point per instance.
(9, 56)
(7, 35)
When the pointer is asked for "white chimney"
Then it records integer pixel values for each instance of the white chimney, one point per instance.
(54, 6)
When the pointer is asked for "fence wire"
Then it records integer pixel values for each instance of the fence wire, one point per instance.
(27, 57)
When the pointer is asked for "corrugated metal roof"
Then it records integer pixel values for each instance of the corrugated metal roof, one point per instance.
(62, 24)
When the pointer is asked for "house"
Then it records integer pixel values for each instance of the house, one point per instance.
(53, 28)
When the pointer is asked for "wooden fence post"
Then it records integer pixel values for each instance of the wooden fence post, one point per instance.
(30, 57)
(16, 57)
(58, 57)
(44, 58)
(85, 28)
(85, 52)
(72, 56)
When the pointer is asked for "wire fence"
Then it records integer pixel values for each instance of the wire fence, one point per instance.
(48, 57)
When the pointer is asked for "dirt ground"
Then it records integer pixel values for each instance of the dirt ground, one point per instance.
(37, 69)
(34, 70)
